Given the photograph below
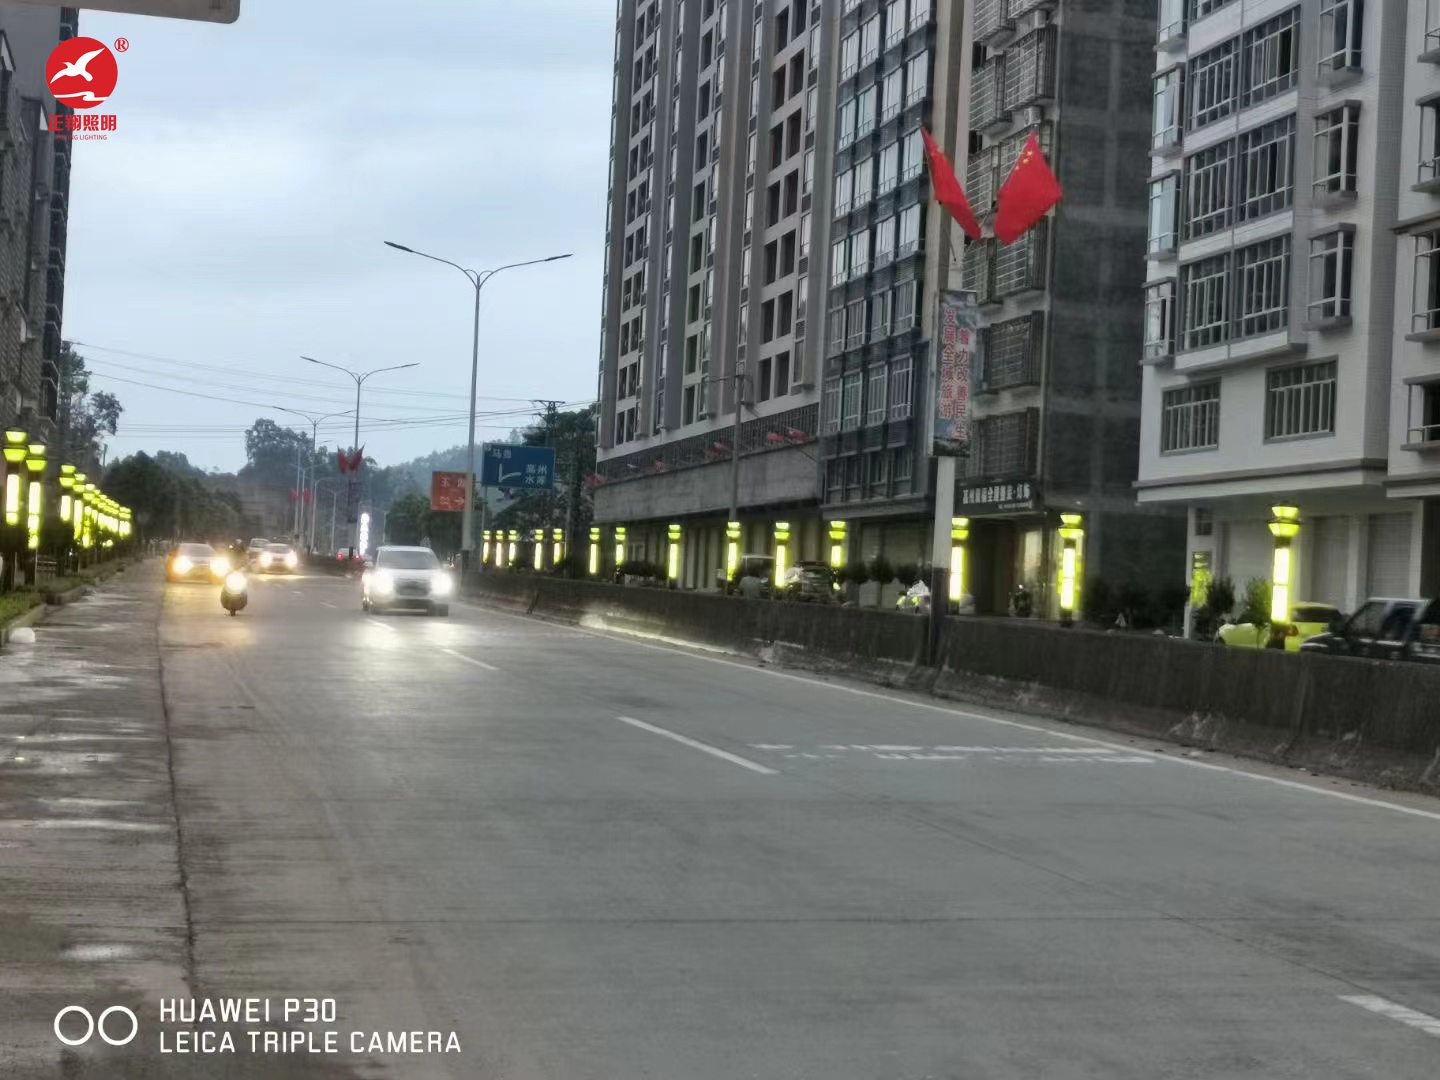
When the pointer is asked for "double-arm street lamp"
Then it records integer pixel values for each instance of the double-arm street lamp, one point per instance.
(478, 280)
(315, 422)
(359, 377)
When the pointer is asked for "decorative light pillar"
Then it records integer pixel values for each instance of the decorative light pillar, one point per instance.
(34, 503)
(732, 549)
(1071, 537)
(782, 553)
(619, 546)
(557, 546)
(672, 555)
(837, 544)
(538, 556)
(67, 481)
(16, 450)
(87, 532)
(514, 546)
(1284, 527)
(959, 537)
(593, 566)
(485, 549)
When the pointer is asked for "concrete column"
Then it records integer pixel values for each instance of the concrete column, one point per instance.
(1428, 550)
(1356, 584)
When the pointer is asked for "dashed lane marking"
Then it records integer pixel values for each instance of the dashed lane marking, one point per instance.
(696, 744)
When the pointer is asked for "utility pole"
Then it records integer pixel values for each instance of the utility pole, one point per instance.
(549, 416)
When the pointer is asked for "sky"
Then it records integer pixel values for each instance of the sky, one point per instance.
(233, 222)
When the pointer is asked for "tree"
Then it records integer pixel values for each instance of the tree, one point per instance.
(84, 418)
(572, 434)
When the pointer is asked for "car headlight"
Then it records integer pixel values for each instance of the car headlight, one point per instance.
(183, 565)
(381, 581)
(235, 582)
(292, 560)
(266, 558)
(442, 584)
(220, 566)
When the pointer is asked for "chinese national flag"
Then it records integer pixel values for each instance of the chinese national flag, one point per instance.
(948, 192)
(1027, 194)
(342, 460)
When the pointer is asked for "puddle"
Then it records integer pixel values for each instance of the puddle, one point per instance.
(97, 952)
(102, 824)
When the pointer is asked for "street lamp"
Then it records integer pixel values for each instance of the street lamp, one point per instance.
(478, 280)
(315, 423)
(359, 377)
(35, 464)
(1284, 527)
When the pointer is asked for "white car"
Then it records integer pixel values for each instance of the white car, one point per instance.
(277, 559)
(406, 577)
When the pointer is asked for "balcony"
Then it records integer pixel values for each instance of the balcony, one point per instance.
(993, 21)
(1010, 353)
(977, 272)
(1005, 446)
(1020, 267)
(987, 96)
(1030, 70)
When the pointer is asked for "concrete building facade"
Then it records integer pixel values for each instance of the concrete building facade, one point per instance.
(1285, 140)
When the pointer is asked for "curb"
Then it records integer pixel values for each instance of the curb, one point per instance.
(29, 618)
(41, 611)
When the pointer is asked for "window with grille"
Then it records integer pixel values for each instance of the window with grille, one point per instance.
(855, 323)
(889, 169)
(879, 471)
(834, 480)
(1425, 303)
(1164, 213)
(875, 395)
(1209, 190)
(835, 321)
(892, 95)
(1021, 266)
(1262, 287)
(1337, 149)
(902, 371)
(1210, 82)
(1204, 287)
(1341, 26)
(1030, 69)
(1270, 58)
(839, 267)
(1160, 319)
(1267, 168)
(1168, 113)
(1003, 445)
(1190, 418)
(885, 242)
(1332, 258)
(908, 240)
(880, 305)
(987, 93)
(917, 78)
(850, 390)
(904, 308)
(830, 407)
(1300, 400)
(977, 270)
(1200, 8)
(980, 178)
(859, 253)
(1009, 352)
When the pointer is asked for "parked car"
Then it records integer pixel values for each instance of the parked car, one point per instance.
(1307, 619)
(752, 576)
(813, 582)
(1384, 628)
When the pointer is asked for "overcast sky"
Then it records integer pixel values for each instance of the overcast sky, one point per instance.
(235, 217)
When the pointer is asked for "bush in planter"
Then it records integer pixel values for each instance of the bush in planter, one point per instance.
(1098, 602)
(907, 574)
(857, 573)
(881, 572)
(1219, 600)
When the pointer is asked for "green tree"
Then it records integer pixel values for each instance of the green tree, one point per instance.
(84, 418)
(572, 434)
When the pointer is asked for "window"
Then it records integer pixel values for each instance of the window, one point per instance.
(875, 396)
(782, 374)
(850, 401)
(1029, 69)
(904, 308)
(889, 172)
(849, 54)
(894, 23)
(1004, 445)
(870, 40)
(917, 78)
(1425, 303)
(830, 407)
(1210, 79)
(1300, 400)
(1190, 418)
(808, 173)
(688, 415)
(1203, 287)
(804, 235)
(919, 14)
(844, 192)
(885, 242)
(865, 112)
(880, 305)
(845, 124)
(1267, 167)
(1270, 58)
(878, 465)
(1168, 113)
(1021, 266)
(909, 239)
(859, 253)
(855, 323)
(1200, 8)
(839, 250)
(1008, 355)
(1332, 258)
(1341, 26)
(1164, 213)
(1262, 287)
(1172, 19)
(1160, 319)
(812, 107)
(1429, 141)
(1336, 149)
(912, 154)
(902, 371)
(836, 322)
(900, 466)
(1209, 190)
(892, 92)
(864, 173)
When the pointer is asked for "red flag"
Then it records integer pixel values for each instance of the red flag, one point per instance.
(1029, 191)
(342, 459)
(948, 192)
(357, 459)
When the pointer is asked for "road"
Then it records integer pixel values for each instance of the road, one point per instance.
(592, 857)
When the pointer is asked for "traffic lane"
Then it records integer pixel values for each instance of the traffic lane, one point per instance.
(557, 887)
(1298, 870)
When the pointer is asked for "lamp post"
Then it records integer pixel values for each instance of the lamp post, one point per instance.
(1284, 527)
(315, 422)
(67, 485)
(16, 449)
(959, 538)
(477, 279)
(34, 502)
(1071, 534)
(359, 377)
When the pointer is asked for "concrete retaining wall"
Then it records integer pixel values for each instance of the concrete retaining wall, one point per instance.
(1372, 720)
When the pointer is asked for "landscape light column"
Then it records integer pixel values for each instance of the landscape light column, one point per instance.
(959, 537)
(1071, 534)
(1284, 527)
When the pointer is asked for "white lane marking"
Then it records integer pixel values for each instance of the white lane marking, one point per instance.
(1295, 785)
(1400, 1013)
(715, 751)
(383, 625)
(470, 660)
(326, 603)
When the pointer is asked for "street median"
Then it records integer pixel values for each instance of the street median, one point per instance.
(1364, 719)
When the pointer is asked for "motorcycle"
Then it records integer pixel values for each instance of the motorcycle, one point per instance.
(235, 593)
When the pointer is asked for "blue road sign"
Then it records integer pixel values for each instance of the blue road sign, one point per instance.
(526, 468)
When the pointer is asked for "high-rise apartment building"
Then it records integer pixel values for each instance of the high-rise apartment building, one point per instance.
(714, 269)
(1285, 137)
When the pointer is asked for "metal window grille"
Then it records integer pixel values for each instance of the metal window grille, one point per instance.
(902, 371)
(987, 96)
(1267, 168)
(1030, 69)
(1209, 190)
(1204, 289)
(1341, 34)
(1337, 149)
(1300, 400)
(1262, 287)
(1004, 445)
(1021, 266)
(830, 414)
(1010, 351)
(1271, 58)
(981, 183)
(875, 396)
(977, 272)
(850, 393)
(1210, 79)
(1160, 319)
(1332, 258)
(1190, 418)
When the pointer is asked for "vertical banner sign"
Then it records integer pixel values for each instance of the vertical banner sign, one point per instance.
(956, 341)
(447, 491)
(352, 501)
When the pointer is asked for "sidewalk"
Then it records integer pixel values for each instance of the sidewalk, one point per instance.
(91, 907)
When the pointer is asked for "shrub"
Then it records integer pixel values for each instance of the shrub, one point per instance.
(857, 573)
(1219, 599)
(1256, 606)
(881, 571)
(1098, 603)
(907, 574)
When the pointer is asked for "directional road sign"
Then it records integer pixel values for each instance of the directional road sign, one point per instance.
(523, 468)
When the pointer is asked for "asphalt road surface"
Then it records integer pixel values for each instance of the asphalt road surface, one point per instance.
(595, 857)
